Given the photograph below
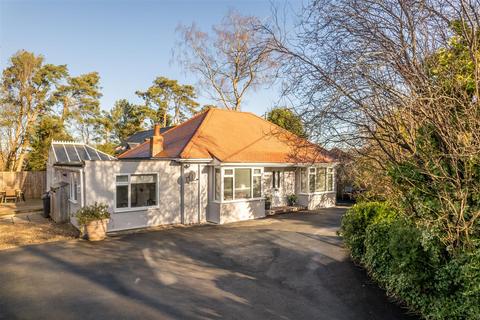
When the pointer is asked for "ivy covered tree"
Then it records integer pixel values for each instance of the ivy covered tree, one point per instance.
(40, 102)
(49, 128)
(125, 119)
(167, 99)
(28, 87)
(79, 104)
(285, 118)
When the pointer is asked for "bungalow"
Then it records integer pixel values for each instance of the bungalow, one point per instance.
(219, 166)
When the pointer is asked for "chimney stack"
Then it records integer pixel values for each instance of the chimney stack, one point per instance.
(156, 142)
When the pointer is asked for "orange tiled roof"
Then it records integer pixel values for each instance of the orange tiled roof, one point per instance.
(232, 136)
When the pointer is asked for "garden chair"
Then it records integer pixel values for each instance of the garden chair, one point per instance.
(10, 194)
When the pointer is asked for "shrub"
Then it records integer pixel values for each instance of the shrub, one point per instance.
(91, 213)
(396, 258)
(356, 221)
(412, 264)
(292, 199)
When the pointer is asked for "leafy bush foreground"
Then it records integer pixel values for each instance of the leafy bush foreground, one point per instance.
(411, 264)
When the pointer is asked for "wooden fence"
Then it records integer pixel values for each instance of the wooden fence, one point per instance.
(32, 183)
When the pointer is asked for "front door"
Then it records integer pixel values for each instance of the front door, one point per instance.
(277, 194)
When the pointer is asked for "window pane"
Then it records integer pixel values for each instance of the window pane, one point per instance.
(122, 196)
(257, 171)
(75, 191)
(78, 191)
(257, 189)
(218, 185)
(121, 179)
(143, 190)
(143, 178)
(304, 180)
(228, 188)
(228, 171)
(330, 179)
(312, 182)
(320, 182)
(242, 183)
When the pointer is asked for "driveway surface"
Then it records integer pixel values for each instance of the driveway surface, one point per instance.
(291, 266)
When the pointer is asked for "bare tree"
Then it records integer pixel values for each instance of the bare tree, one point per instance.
(230, 60)
(399, 77)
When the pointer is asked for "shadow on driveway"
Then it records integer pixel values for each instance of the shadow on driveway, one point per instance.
(286, 267)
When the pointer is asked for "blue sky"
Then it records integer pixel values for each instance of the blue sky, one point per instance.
(128, 42)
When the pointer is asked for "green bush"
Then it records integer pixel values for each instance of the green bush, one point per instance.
(292, 199)
(356, 221)
(412, 265)
(91, 213)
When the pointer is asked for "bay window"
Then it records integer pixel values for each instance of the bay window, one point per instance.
(237, 183)
(218, 186)
(316, 179)
(257, 183)
(136, 191)
(243, 183)
(330, 179)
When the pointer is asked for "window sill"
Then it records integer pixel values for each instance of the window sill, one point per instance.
(73, 201)
(238, 200)
(122, 210)
(315, 193)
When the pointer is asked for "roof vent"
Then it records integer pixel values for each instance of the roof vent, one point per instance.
(156, 143)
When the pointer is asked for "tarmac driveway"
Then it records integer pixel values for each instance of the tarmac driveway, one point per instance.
(286, 267)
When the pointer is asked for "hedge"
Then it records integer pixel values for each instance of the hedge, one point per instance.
(411, 265)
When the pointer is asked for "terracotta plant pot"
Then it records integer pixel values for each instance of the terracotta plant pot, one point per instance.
(96, 230)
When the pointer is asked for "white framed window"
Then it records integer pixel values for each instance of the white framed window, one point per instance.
(330, 179)
(237, 183)
(257, 183)
(218, 184)
(276, 179)
(136, 191)
(74, 188)
(316, 179)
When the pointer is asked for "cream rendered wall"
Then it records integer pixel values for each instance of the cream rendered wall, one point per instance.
(100, 187)
(317, 200)
(241, 210)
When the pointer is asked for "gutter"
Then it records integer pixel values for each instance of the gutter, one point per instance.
(82, 189)
(199, 193)
(182, 195)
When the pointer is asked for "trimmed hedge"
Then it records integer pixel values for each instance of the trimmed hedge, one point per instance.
(411, 265)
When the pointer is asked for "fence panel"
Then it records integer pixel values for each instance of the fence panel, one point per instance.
(32, 183)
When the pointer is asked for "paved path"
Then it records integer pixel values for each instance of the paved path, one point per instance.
(286, 267)
(33, 217)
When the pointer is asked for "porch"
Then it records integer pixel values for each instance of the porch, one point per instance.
(284, 209)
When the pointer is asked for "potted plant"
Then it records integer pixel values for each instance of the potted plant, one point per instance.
(94, 219)
(268, 202)
(292, 199)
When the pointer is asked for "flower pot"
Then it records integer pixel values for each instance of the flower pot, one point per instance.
(268, 205)
(96, 230)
